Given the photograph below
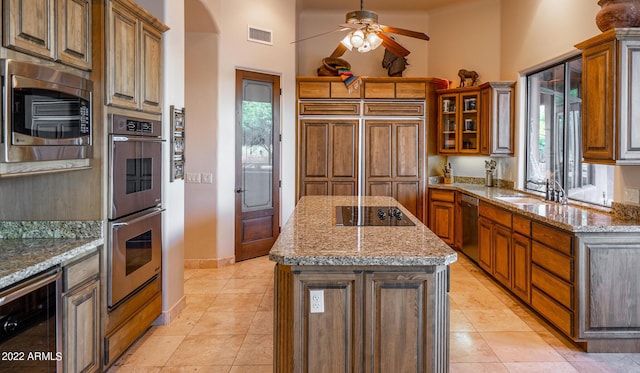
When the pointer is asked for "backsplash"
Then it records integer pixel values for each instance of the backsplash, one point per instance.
(498, 183)
(625, 211)
(50, 229)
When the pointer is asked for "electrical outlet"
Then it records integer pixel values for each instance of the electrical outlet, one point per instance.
(632, 195)
(207, 178)
(317, 301)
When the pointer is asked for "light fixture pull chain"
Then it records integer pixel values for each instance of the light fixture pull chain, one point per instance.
(361, 5)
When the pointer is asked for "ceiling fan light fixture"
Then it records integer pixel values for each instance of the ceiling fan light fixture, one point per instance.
(374, 40)
(357, 38)
(347, 42)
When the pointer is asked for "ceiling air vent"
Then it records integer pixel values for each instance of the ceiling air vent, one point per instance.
(258, 35)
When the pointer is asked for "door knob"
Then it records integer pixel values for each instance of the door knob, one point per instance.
(240, 190)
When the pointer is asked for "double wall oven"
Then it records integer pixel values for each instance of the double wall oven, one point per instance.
(135, 206)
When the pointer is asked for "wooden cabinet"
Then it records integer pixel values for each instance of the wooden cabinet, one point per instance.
(58, 30)
(552, 276)
(458, 126)
(521, 258)
(610, 89)
(370, 141)
(329, 157)
(477, 120)
(393, 161)
(494, 242)
(375, 319)
(81, 315)
(497, 108)
(442, 205)
(134, 57)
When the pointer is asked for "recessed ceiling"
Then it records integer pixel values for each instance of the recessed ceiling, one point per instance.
(374, 5)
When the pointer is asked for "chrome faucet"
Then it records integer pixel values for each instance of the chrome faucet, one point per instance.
(561, 196)
(551, 194)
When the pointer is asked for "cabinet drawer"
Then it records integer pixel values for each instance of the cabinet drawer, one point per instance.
(496, 214)
(314, 90)
(78, 272)
(557, 289)
(329, 108)
(339, 90)
(553, 261)
(522, 225)
(443, 195)
(553, 238)
(379, 90)
(552, 311)
(394, 109)
(411, 90)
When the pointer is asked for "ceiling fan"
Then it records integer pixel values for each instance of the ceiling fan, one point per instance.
(367, 34)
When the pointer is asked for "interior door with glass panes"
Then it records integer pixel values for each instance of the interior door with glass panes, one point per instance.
(257, 191)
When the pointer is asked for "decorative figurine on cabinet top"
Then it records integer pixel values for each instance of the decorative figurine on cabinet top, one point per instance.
(468, 74)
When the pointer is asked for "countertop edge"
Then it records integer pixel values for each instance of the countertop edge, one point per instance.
(390, 261)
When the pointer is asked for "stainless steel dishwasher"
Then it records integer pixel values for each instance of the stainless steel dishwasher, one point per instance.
(470, 227)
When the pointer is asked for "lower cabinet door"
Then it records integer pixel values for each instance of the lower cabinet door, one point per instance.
(502, 254)
(485, 251)
(521, 276)
(81, 323)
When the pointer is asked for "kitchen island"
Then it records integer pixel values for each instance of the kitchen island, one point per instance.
(360, 298)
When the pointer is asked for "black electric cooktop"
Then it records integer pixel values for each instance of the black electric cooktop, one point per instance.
(389, 216)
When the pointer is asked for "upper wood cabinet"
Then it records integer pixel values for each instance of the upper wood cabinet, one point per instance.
(496, 118)
(134, 57)
(58, 30)
(370, 88)
(458, 126)
(477, 120)
(610, 91)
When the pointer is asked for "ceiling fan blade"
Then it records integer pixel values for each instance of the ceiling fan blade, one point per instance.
(315, 36)
(339, 51)
(401, 31)
(393, 45)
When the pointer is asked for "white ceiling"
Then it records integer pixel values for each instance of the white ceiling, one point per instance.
(374, 5)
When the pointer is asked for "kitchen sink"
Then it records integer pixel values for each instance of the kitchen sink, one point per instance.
(521, 200)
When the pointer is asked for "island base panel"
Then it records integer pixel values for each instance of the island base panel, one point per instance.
(375, 319)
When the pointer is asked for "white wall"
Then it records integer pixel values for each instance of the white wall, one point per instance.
(465, 37)
(201, 79)
(311, 52)
(212, 59)
(171, 12)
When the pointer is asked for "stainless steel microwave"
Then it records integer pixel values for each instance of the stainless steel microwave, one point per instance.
(46, 113)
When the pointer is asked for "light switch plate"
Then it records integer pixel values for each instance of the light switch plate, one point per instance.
(193, 177)
(207, 178)
(632, 195)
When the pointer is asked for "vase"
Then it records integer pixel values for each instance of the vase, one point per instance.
(618, 13)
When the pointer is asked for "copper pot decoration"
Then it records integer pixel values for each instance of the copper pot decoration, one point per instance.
(618, 13)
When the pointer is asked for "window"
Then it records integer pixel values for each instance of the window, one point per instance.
(554, 141)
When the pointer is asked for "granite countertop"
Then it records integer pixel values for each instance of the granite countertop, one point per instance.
(28, 248)
(23, 258)
(570, 217)
(311, 237)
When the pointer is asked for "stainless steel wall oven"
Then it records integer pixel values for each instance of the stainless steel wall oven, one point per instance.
(30, 329)
(135, 210)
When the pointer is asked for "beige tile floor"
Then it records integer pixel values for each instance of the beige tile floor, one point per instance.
(227, 327)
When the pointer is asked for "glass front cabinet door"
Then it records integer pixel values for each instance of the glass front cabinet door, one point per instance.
(458, 123)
